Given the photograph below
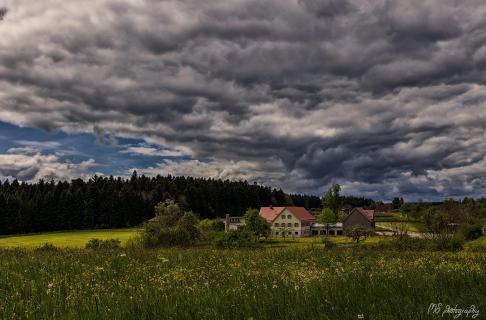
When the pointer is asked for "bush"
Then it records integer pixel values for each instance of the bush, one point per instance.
(103, 244)
(208, 225)
(447, 242)
(471, 231)
(174, 228)
(47, 247)
(405, 243)
(236, 239)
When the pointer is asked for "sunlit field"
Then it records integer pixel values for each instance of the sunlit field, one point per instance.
(68, 239)
(301, 282)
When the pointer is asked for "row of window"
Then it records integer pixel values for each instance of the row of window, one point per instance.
(296, 225)
(286, 233)
(288, 216)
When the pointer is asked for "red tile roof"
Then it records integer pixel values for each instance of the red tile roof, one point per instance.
(369, 214)
(270, 213)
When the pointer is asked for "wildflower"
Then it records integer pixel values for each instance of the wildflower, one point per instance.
(123, 255)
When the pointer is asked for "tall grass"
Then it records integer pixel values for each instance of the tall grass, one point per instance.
(263, 283)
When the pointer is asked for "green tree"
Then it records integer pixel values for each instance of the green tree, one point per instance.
(327, 217)
(396, 203)
(256, 224)
(358, 234)
(341, 216)
(332, 199)
(168, 213)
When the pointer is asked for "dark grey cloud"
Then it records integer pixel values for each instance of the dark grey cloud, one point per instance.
(385, 97)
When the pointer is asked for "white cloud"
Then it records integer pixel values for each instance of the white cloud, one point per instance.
(31, 167)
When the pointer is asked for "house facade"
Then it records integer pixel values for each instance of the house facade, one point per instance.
(288, 221)
(233, 223)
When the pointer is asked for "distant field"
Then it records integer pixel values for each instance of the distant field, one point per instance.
(66, 239)
(410, 226)
(340, 241)
(78, 239)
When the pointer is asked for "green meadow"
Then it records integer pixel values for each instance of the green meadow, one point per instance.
(293, 282)
(68, 239)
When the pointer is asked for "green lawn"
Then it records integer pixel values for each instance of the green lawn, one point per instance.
(66, 239)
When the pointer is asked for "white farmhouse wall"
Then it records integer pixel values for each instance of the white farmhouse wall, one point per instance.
(287, 224)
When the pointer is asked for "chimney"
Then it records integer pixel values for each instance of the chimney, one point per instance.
(226, 223)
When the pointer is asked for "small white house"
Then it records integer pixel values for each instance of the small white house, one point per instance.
(233, 223)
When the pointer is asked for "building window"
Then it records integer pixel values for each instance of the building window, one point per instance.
(283, 217)
(296, 225)
(296, 233)
(289, 217)
(276, 224)
(289, 225)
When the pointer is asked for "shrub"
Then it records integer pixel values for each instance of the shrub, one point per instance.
(103, 244)
(447, 242)
(208, 225)
(134, 243)
(174, 228)
(471, 231)
(405, 243)
(236, 239)
(46, 247)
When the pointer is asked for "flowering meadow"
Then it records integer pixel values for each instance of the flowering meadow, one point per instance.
(261, 283)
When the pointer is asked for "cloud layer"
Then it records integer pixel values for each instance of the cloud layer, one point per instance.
(384, 97)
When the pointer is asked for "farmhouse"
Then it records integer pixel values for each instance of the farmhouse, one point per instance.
(288, 221)
(359, 217)
(298, 222)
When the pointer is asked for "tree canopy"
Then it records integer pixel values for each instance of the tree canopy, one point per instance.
(108, 202)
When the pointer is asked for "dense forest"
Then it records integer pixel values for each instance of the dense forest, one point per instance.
(108, 202)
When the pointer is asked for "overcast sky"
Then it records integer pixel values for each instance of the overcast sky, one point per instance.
(387, 98)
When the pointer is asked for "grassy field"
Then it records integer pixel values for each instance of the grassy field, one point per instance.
(69, 239)
(340, 241)
(479, 243)
(410, 226)
(78, 239)
(301, 282)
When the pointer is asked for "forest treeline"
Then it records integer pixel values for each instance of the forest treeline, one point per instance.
(108, 202)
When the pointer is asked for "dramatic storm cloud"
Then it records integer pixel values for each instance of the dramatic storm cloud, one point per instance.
(385, 97)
